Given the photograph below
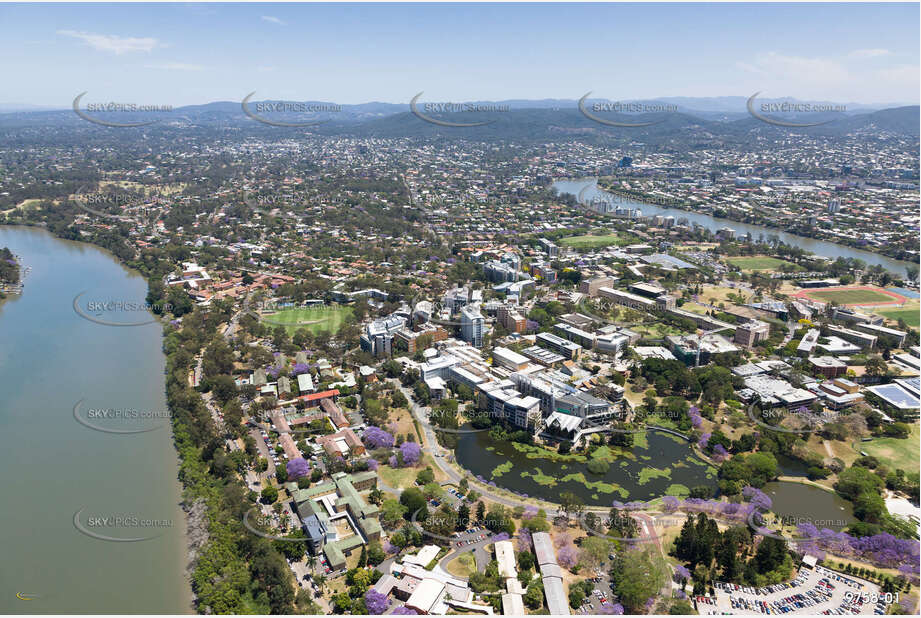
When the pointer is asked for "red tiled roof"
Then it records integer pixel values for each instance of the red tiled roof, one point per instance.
(323, 395)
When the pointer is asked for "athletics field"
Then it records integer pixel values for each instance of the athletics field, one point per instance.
(854, 296)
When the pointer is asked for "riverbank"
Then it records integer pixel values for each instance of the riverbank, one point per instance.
(589, 190)
(767, 223)
(11, 274)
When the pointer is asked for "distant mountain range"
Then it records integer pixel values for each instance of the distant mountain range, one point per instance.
(518, 119)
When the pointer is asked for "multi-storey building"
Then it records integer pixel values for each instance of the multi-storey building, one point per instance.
(591, 286)
(378, 336)
(511, 320)
(751, 333)
(561, 346)
(473, 325)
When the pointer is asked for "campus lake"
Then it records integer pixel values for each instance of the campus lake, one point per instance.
(803, 503)
(52, 467)
(659, 464)
(818, 247)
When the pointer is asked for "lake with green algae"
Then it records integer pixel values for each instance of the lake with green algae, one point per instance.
(658, 464)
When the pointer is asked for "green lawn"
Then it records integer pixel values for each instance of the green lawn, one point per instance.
(463, 566)
(317, 319)
(895, 453)
(760, 263)
(911, 316)
(851, 297)
(656, 331)
(590, 242)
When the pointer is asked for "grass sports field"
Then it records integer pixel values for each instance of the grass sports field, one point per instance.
(328, 318)
(590, 242)
(911, 316)
(760, 263)
(852, 296)
(894, 452)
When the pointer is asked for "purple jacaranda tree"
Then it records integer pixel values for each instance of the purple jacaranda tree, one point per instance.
(670, 504)
(403, 611)
(720, 453)
(909, 571)
(411, 453)
(502, 536)
(730, 508)
(373, 464)
(757, 499)
(375, 437)
(681, 573)
(300, 368)
(392, 461)
(376, 602)
(881, 549)
(297, 468)
(567, 556)
(704, 440)
(694, 414)
(524, 540)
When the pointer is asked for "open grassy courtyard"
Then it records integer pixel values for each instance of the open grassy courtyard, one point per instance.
(463, 566)
(321, 318)
(760, 262)
(591, 242)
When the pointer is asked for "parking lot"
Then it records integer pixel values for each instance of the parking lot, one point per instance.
(812, 591)
(601, 596)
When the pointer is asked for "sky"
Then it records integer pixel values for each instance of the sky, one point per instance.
(182, 54)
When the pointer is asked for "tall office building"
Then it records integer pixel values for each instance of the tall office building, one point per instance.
(473, 324)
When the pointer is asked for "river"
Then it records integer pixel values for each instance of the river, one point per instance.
(53, 467)
(818, 247)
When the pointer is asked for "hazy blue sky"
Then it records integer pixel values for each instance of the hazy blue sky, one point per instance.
(182, 54)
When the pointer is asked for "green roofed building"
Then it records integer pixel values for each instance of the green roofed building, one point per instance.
(336, 516)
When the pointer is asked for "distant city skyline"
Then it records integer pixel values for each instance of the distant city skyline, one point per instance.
(187, 54)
